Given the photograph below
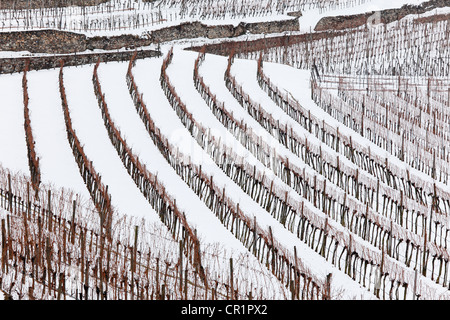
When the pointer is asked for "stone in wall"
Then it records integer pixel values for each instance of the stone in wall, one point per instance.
(296, 14)
(190, 30)
(43, 41)
(272, 26)
(116, 42)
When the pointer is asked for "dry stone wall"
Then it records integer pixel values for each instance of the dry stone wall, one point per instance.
(11, 65)
(33, 4)
(43, 41)
(53, 41)
(59, 42)
(196, 29)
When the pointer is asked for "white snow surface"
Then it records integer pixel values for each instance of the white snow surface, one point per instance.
(180, 74)
(88, 125)
(122, 111)
(13, 149)
(57, 163)
(311, 17)
(59, 168)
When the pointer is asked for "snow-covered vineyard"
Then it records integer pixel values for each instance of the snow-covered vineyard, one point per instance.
(308, 165)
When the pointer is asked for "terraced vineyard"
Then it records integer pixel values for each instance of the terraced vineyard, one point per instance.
(310, 166)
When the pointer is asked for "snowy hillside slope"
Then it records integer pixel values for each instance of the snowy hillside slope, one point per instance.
(46, 115)
(310, 169)
(136, 17)
(12, 134)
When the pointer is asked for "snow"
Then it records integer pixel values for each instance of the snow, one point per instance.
(138, 19)
(180, 73)
(310, 18)
(132, 16)
(120, 105)
(88, 125)
(123, 113)
(296, 83)
(13, 149)
(59, 168)
(57, 163)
